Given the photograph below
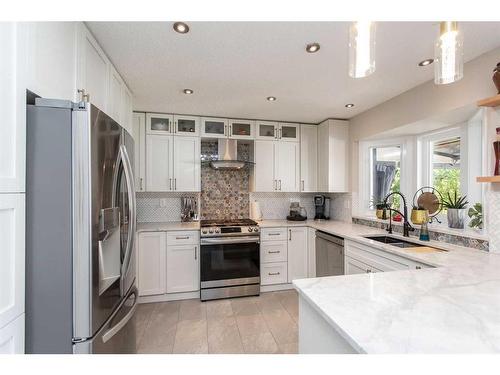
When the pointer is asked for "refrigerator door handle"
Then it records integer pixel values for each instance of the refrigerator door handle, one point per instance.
(129, 178)
(117, 327)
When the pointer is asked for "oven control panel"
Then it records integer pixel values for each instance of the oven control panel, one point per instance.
(229, 231)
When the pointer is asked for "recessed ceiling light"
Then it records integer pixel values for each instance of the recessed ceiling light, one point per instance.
(187, 91)
(271, 98)
(350, 105)
(181, 27)
(313, 47)
(426, 62)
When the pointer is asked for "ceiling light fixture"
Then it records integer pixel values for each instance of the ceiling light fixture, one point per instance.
(271, 98)
(361, 49)
(350, 105)
(313, 47)
(448, 54)
(426, 62)
(181, 27)
(187, 91)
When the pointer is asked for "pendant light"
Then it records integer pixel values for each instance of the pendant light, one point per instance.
(448, 54)
(361, 49)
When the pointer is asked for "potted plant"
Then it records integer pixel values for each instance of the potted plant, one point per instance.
(476, 215)
(456, 206)
(379, 206)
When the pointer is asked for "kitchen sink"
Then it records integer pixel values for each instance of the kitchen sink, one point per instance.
(395, 241)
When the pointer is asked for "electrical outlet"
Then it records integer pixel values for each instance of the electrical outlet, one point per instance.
(163, 202)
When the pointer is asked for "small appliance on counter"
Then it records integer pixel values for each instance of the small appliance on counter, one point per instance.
(297, 213)
(189, 209)
(322, 205)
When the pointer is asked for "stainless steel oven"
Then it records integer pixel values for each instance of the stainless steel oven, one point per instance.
(229, 261)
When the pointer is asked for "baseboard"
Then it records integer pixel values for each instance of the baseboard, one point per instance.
(275, 287)
(169, 297)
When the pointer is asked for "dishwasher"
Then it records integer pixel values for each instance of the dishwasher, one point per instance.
(329, 255)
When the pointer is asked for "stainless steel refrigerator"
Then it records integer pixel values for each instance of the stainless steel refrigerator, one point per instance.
(81, 292)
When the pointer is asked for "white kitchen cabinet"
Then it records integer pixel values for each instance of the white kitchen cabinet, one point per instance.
(273, 273)
(353, 266)
(212, 127)
(309, 158)
(264, 178)
(92, 69)
(273, 251)
(12, 337)
(139, 135)
(187, 169)
(172, 163)
(12, 256)
(276, 166)
(266, 130)
(241, 129)
(282, 131)
(183, 268)
(297, 253)
(186, 125)
(151, 263)
(287, 164)
(311, 251)
(159, 124)
(288, 132)
(333, 148)
(159, 162)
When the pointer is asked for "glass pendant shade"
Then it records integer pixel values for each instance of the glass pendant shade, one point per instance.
(361, 49)
(448, 54)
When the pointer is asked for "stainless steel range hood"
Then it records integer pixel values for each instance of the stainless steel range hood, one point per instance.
(228, 156)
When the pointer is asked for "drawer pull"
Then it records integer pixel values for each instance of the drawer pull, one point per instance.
(274, 252)
(273, 273)
(182, 238)
(274, 234)
(368, 271)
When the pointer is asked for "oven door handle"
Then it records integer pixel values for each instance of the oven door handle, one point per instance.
(219, 240)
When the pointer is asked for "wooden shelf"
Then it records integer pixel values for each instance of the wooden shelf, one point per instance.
(494, 101)
(488, 179)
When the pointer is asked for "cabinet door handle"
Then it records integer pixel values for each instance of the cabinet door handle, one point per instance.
(418, 267)
(140, 183)
(275, 133)
(195, 251)
(175, 183)
(289, 234)
(303, 185)
(280, 133)
(274, 252)
(170, 182)
(280, 185)
(368, 271)
(273, 273)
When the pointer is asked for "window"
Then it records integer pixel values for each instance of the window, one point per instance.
(446, 166)
(385, 173)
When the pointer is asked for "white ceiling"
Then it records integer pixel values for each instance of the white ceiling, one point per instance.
(233, 66)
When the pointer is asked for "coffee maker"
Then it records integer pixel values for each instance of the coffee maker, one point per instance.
(322, 205)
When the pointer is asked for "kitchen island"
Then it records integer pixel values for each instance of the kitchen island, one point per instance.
(450, 307)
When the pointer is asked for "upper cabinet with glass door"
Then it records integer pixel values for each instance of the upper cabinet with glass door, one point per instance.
(186, 125)
(212, 127)
(159, 123)
(289, 132)
(266, 130)
(241, 129)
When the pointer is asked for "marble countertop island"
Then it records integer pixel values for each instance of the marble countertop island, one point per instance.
(451, 308)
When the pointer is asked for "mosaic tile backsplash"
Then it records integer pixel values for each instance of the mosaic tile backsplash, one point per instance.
(160, 207)
(436, 236)
(224, 193)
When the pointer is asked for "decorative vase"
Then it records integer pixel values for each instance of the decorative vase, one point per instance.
(496, 147)
(496, 77)
(380, 214)
(418, 216)
(456, 218)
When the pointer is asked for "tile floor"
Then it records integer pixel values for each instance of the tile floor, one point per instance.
(256, 325)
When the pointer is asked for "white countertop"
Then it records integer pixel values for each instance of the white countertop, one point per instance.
(167, 226)
(453, 308)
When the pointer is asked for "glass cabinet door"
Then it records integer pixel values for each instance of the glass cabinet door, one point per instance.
(159, 123)
(289, 132)
(214, 127)
(267, 130)
(186, 125)
(241, 129)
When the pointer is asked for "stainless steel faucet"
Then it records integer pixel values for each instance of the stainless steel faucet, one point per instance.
(406, 224)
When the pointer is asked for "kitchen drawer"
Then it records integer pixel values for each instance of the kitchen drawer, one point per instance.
(273, 251)
(273, 234)
(273, 273)
(369, 255)
(183, 238)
